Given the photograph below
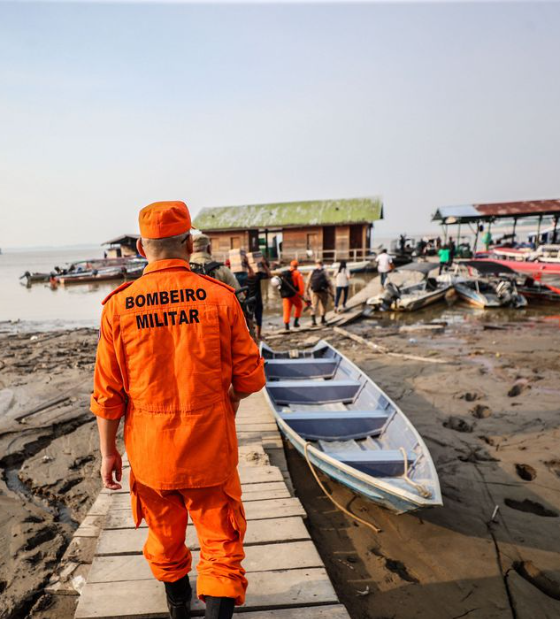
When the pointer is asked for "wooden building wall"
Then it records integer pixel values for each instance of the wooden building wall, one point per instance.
(224, 241)
(305, 243)
(297, 241)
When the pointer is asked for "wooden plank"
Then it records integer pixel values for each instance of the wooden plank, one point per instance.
(265, 531)
(383, 350)
(253, 496)
(101, 505)
(247, 475)
(336, 612)
(146, 598)
(259, 558)
(256, 426)
(251, 493)
(252, 475)
(262, 509)
(90, 527)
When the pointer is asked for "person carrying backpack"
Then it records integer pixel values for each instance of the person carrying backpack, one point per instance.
(321, 287)
(292, 291)
(202, 262)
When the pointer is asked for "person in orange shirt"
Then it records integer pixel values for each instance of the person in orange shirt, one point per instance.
(292, 292)
(174, 359)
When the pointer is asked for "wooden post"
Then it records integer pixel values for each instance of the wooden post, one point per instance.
(476, 238)
(537, 238)
(513, 230)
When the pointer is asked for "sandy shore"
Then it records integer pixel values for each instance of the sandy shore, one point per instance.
(490, 419)
(48, 458)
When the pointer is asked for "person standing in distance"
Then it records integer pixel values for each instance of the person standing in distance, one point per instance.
(384, 265)
(320, 286)
(174, 359)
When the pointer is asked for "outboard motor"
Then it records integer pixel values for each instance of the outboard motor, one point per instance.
(390, 294)
(505, 292)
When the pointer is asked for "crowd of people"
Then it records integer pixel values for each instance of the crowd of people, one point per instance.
(315, 292)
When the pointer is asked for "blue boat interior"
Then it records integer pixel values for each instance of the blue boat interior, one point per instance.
(329, 402)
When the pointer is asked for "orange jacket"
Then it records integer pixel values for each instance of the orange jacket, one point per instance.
(298, 281)
(170, 346)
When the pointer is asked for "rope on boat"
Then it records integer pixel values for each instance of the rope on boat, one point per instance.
(339, 506)
(423, 490)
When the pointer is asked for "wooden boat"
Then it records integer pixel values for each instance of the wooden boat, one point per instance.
(353, 431)
(86, 277)
(131, 270)
(414, 296)
(35, 277)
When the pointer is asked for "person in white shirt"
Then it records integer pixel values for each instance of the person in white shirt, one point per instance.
(384, 265)
(342, 285)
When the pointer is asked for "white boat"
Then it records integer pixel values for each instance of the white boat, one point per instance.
(489, 289)
(352, 430)
(414, 296)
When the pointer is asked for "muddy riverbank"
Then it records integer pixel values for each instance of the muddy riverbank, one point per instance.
(48, 457)
(491, 421)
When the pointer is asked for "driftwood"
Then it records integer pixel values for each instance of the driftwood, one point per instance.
(345, 317)
(380, 349)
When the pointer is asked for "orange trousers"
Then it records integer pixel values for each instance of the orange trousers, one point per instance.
(287, 304)
(218, 516)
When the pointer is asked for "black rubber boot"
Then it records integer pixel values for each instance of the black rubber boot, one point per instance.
(287, 326)
(296, 322)
(179, 594)
(323, 320)
(219, 607)
(313, 321)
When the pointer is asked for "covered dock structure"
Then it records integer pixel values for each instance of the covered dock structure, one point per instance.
(304, 230)
(121, 246)
(475, 215)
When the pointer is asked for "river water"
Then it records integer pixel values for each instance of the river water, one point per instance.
(43, 308)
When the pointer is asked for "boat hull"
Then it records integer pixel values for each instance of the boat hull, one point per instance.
(388, 488)
(426, 300)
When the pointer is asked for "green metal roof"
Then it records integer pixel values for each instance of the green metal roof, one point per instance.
(291, 214)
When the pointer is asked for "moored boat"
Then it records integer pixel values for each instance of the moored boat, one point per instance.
(486, 285)
(413, 296)
(347, 427)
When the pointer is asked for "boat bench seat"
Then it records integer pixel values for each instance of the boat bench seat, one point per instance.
(318, 392)
(304, 368)
(336, 425)
(380, 463)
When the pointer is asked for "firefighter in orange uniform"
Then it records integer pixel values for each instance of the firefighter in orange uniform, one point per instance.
(295, 290)
(174, 359)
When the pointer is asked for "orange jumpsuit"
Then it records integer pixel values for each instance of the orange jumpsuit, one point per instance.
(170, 346)
(296, 300)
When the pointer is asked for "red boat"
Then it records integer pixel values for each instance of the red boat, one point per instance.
(535, 269)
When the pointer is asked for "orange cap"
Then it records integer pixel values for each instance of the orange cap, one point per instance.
(294, 264)
(164, 219)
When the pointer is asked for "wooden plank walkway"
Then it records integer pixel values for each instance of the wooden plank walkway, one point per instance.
(287, 578)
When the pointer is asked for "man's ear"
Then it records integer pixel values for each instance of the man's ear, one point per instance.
(140, 247)
(190, 245)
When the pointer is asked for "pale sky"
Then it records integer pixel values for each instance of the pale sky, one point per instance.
(106, 107)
